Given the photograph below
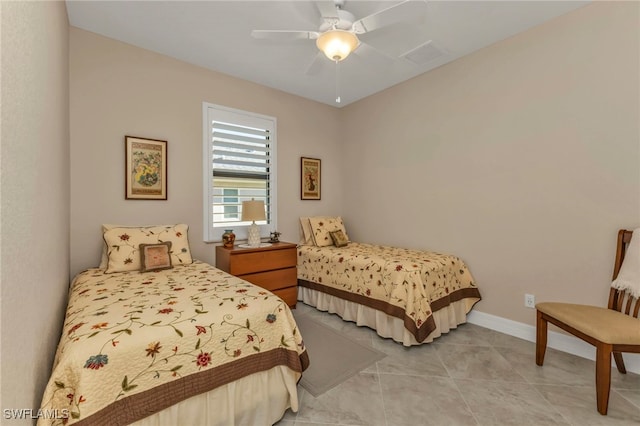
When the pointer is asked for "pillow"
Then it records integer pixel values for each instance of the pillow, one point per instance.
(339, 239)
(104, 261)
(124, 243)
(155, 257)
(321, 226)
(307, 238)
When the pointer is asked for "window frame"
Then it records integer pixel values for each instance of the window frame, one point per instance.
(211, 233)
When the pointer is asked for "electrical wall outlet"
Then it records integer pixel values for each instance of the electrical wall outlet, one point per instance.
(529, 300)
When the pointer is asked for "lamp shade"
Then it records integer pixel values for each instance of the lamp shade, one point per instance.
(337, 44)
(253, 210)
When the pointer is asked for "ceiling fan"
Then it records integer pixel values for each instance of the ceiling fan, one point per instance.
(338, 33)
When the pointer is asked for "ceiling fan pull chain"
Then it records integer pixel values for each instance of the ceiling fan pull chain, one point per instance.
(337, 82)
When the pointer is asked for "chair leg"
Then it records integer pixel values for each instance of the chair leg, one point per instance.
(541, 338)
(603, 376)
(617, 356)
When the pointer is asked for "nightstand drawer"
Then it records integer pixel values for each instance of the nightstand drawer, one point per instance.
(263, 261)
(289, 295)
(272, 267)
(273, 280)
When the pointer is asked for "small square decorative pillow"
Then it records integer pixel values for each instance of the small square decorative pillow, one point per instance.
(155, 257)
(123, 245)
(321, 226)
(339, 239)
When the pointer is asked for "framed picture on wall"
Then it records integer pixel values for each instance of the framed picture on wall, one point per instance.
(145, 169)
(310, 178)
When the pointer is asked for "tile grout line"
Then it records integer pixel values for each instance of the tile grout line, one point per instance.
(624, 397)
(535, 389)
(450, 377)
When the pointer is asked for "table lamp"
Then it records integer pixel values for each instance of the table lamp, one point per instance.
(251, 211)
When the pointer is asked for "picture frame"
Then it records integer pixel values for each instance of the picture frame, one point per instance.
(310, 178)
(145, 168)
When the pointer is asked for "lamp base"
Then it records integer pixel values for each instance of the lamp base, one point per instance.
(253, 235)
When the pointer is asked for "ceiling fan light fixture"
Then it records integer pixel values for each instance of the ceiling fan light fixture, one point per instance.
(337, 44)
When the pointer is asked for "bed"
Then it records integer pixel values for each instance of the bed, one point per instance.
(154, 337)
(410, 296)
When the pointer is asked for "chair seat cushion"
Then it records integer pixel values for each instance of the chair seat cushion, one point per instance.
(605, 325)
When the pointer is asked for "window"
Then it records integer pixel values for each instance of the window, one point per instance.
(239, 165)
(230, 203)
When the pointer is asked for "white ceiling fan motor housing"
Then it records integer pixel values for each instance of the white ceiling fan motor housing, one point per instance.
(344, 22)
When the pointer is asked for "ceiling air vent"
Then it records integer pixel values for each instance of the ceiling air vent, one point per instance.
(423, 54)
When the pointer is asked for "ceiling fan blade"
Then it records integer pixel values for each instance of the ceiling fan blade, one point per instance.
(374, 57)
(400, 12)
(327, 9)
(316, 64)
(284, 35)
(366, 49)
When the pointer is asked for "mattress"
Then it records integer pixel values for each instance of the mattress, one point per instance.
(140, 344)
(418, 288)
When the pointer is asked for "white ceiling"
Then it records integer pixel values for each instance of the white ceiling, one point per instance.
(217, 35)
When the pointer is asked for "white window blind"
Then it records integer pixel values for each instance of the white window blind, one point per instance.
(239, 166)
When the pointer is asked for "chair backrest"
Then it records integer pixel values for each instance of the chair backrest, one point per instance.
(619, 300)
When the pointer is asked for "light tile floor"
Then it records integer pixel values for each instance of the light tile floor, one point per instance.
(471, 376)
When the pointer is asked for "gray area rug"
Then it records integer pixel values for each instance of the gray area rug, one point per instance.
(333, 358)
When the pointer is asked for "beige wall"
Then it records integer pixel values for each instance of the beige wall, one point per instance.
(34, 176)
(118, 89)
(523, 159)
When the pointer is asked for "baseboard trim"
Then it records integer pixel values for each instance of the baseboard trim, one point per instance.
(555, 340)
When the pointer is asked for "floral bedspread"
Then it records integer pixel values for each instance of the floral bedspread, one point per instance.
(180, 331)
(407, 284)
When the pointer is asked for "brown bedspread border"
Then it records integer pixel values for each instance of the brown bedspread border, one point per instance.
(421, 332)
(143, 404)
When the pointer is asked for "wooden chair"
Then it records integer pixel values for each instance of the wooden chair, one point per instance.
(611, 330)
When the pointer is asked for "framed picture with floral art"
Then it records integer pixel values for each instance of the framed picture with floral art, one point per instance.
(145, 168)
(310, 178)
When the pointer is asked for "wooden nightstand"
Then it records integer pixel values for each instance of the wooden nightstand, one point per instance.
(272, 268)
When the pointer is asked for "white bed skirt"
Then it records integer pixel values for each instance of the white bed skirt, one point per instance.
(385, 325)
(258, 399)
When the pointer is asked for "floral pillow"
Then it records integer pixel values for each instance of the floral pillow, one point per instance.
(104, 261)
(322, 226)
(124, 245)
